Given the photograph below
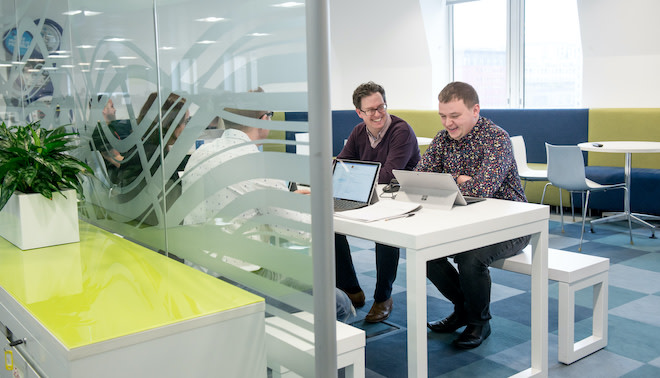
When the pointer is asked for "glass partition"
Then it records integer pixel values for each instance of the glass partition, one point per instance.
(179, 108)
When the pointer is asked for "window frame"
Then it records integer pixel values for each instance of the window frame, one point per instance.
(515, 50)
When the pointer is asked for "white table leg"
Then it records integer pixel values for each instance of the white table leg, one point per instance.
(627, 214)
(416, 304)
(539, 245)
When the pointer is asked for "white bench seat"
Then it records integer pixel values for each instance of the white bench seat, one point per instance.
(290, 348)
(574, 272)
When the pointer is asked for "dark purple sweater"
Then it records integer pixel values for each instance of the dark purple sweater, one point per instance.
(397, 150)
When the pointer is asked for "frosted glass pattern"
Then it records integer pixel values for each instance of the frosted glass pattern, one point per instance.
(172, 100)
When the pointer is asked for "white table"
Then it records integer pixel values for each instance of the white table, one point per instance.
(628, 148)
(433, 233)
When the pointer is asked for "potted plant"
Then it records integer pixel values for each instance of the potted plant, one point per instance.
(39, 181)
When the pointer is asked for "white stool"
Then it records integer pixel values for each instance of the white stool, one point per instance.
(573, 271)
(290, 348)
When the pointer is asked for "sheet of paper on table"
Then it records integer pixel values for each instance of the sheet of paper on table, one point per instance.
(381, 210)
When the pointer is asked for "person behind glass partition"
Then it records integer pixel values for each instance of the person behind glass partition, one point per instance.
(140, 167)
(101, 143)
(236, 141)
(134, 167)
(170, 110)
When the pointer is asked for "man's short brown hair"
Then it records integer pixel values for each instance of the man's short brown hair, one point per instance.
(257, 114)
(458, 90)
(364, 90)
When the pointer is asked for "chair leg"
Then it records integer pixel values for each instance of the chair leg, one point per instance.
(572, 206)
(584, 218)
(543, 195)
(561, 210)
(582, 198)
(591, 227)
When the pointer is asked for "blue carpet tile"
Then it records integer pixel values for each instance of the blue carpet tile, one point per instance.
(633, 348)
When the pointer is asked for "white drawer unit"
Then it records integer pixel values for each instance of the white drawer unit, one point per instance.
(16, 365)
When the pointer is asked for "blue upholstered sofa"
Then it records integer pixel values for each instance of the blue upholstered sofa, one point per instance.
(555, 126)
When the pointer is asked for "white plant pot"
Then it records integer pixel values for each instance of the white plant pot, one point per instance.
(33, 221)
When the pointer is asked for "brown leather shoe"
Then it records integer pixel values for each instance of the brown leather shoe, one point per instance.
(357, 299)
(379, 311)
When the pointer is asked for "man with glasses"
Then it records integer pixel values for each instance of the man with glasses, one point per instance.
(391, 141)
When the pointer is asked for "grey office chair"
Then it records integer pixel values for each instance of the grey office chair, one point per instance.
(566, 171)
(525, 172)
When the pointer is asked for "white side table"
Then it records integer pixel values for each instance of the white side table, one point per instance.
(628, 148)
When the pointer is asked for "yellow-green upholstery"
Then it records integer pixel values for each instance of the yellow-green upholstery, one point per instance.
(277, 135)
(624, 124)
(426, 123)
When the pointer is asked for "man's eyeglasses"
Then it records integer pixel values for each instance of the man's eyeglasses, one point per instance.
(267, 114)
(371, 112)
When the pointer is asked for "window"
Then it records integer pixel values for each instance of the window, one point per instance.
(553, 54)
(515, 59)
(479, 40)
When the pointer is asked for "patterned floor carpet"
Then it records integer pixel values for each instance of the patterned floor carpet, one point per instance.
(633, 349)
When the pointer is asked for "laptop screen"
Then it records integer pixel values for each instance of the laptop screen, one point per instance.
(354, 180)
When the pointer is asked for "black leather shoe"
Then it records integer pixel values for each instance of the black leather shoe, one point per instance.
(448, 324)
(472, 336)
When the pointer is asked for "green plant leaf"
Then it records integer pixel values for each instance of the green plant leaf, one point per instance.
(36, 160)
(6, 192)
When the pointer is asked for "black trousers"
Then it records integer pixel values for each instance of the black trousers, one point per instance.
(468, 288)
(387, 261)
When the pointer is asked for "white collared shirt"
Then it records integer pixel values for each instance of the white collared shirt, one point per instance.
(374, 140)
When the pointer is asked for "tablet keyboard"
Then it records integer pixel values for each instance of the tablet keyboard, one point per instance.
(342, 204)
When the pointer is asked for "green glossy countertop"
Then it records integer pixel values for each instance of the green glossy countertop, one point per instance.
(105, 287)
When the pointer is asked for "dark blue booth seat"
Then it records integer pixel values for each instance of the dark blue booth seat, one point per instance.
(537, 126)
(644, 191)
(343, 122)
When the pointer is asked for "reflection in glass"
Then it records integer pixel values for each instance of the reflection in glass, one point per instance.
(150, 86)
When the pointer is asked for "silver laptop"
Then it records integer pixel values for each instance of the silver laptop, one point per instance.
(354, 184)
(431, 188)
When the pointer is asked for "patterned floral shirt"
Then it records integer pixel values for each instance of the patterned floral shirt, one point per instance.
(485, 154)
